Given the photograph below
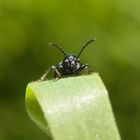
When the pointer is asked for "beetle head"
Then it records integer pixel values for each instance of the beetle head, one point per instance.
(71, 62)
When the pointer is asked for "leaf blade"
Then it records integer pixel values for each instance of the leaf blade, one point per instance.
(75, 108)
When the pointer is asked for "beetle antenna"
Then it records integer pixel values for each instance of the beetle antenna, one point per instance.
(54, 45)
(85, 45)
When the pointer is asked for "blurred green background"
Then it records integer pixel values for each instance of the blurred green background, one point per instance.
(26, 28)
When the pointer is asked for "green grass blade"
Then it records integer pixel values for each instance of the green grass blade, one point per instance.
(75, 108)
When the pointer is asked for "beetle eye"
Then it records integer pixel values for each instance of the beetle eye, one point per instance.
(78, 60)
(66, 61)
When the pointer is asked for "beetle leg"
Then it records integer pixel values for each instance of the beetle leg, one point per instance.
(83, 68)
(87, 69)
(57, 72)
(43, 77)
(45, 74)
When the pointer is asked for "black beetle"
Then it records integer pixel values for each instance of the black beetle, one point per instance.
(70, 66)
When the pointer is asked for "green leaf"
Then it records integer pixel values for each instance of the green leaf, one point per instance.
(74, 108)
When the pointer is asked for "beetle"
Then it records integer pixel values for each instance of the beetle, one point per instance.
(70, 65)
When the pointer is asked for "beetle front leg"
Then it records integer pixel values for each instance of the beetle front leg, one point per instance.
(56, 72)
(87, 69)
(83, 68)
(44, 75)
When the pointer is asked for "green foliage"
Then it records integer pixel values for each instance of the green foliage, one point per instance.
(75, 108)
(26, 28)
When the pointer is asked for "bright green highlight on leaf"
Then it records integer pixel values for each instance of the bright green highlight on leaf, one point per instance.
(74, 108)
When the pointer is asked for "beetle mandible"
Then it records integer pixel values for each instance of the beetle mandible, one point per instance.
(70, 66)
